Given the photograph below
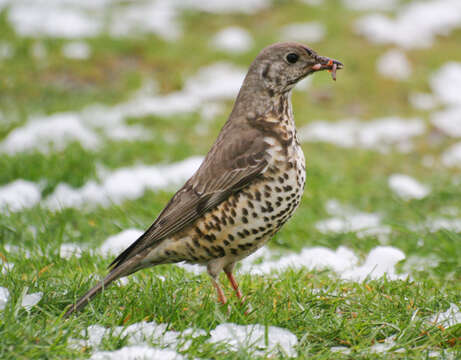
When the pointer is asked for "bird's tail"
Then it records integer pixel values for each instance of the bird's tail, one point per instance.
(116, 273)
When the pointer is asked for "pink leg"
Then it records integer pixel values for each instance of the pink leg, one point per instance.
(221, 297)
(234, 284)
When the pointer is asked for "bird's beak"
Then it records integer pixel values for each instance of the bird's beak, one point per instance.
(324, 63)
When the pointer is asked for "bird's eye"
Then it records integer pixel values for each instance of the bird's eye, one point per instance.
(292, 58)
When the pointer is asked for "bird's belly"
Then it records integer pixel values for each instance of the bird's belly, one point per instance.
(246, 220)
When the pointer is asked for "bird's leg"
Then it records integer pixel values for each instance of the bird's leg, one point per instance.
(214, 268)
(228, 270)
(221, 297)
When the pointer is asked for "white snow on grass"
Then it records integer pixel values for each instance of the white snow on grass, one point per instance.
(347, 219)
(452, 156)
(225, 6)
(137, 352)
(28, 301)
(76, 50)
(115, 244)
(141, 333)
(394, 65)
(217, 82)
(310, 32)
(19, 195)
(430, 18)
(69, 250)
(128, 183)
(406, 187)
(44, 133)
(381, 134)
(366, 5)
(422, 101)
(265, 341)
(154, 17)
(448, 120)
(234, 40)
(447, 224)
(4, 297)
(451, 317)
(446, 83)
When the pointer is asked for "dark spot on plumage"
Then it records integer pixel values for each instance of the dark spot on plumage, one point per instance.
(244, 219)
(278, 189)
(194, 258)
(208, 251)
(245, 211)
(234, 251)
(250, 205)
(226, 242)
(278, 203)
(219, 250)
(267, 188)
(254, 214)
(233, 212)
(266, 219)
(196, 241)
(198, 231)
(254, 231)
(241, 234)
(246, 232)
(281, 179)
(232, 221)
(258, 195)
(230, 237)
(261, 228)
(267, 194)
(167, 253)
(210, 237)
(285, 175)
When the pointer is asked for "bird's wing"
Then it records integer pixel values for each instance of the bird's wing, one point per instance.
(232, 163)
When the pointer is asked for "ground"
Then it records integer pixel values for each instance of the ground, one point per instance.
(380, 252)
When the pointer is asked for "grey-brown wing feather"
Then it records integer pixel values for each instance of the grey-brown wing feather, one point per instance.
(231, 164)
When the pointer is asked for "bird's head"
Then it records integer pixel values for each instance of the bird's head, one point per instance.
(280, 66)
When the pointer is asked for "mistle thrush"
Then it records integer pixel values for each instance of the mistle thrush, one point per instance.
(248, 186)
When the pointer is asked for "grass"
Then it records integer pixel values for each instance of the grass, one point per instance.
(321, 310)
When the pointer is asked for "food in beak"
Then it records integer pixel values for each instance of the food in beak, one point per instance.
(331, 66)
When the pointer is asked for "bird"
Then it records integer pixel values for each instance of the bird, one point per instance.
(248, 185)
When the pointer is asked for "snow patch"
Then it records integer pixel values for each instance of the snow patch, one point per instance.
(448, 121)
(43, 133)
(19, 195)
(431, 18)
(310, 32)
(446, 83)
(115, 244)
(394, 65)
(234, 40)
(381, 134)
(123, 184)
(254, 336)
(4, 296)
(422, 101)
(366, 5)
(30, 300)
(76, 50)
(451, 317)
(452, 156)
(137, 352)
(407, 188)
(69, 250)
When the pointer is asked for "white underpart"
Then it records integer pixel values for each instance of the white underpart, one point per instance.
(394, 65)
(451, 317)
(76, 50)
(4, 297)
(137, 352)
(19, 195)
(123, 184)
(407, 188)
(431, 18)
(233, 40)
(310, 32)
(254, 337)
(382, 134)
